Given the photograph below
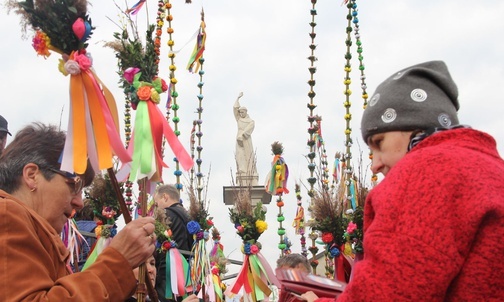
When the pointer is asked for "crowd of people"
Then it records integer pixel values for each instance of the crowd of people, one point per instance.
(432, 226)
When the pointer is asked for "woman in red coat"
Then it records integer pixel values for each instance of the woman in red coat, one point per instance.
(433, 227)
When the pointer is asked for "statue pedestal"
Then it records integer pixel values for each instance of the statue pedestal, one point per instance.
(257, 194)
(245, 180)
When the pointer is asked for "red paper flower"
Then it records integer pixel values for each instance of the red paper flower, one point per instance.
(166, 245)
(327, 237)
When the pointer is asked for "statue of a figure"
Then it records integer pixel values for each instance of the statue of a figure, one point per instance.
(245, 156)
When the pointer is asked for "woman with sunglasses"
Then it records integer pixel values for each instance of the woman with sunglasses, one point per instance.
(36, 199)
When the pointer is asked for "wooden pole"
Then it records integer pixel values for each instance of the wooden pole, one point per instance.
(142, 269)
(127, 219)
(124, 209)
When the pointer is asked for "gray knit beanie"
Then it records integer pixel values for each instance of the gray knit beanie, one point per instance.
(419, 97)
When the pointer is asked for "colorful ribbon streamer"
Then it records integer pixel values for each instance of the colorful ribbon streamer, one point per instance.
(146, 143)
(100, 245)
(136, 8)
(254, 277)
(177, 274)
(277, 184)
(337, 170)
(200, 263)
(93, 123)
(298, 222)
(194, 65)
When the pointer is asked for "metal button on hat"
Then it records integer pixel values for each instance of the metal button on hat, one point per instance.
(4, 125)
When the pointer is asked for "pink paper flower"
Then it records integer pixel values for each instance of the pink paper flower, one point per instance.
(351, 227)
(240, 229)
(254, 249)
(129, 74)
(84, 61)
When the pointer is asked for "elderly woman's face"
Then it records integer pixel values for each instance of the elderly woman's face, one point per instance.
(58, 198)
(388, 148)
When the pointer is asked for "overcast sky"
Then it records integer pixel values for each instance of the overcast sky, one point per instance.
(260, 48)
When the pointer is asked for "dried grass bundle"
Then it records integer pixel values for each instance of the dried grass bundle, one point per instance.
(102, 197)
(323, 205)
(115, 45)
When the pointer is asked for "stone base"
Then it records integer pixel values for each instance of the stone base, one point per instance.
(257, 194)
(245, 180)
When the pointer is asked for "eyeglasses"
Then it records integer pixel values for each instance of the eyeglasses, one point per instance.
(75, 182)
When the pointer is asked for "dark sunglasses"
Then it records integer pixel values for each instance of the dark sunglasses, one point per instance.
(74, 181)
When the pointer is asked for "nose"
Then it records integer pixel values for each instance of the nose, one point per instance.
(151, 269)
(376, 164)
(77, 202)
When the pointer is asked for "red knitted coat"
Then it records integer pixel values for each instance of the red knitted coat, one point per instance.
(434, 226)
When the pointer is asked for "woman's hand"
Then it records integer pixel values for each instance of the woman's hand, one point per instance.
(191, 298)
(309, 296)
(136, 240)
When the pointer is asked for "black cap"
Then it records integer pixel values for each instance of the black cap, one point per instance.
(3, 125)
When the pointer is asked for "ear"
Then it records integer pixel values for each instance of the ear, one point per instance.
(30, 174)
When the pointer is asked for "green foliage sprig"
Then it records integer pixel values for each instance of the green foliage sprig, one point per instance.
(102, 198)
(249, 221)
(133, 53)
(55, 19)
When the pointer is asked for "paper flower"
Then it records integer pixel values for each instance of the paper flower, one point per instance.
(254, 249)
(130, 73)
(327, 237)
(351, 227)
(41, 43)
(334, 251)
(72, 67)
(144, 93)
(83, 61)
(261, 226)
(166, 245)
(193, 227)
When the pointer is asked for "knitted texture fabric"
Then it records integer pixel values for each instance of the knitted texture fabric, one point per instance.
(434, 226)
(419, 97)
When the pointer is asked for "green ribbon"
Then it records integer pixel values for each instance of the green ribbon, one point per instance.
(143, 143)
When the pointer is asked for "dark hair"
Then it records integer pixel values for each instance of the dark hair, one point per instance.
(86, 213)
(39, 144)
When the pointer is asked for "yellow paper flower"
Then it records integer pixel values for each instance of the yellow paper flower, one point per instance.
(61, 67)
(98, 230)
(155, 96)
(261, 226)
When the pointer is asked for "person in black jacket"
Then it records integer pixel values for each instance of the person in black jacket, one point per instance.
(3, 133)
(168, 197)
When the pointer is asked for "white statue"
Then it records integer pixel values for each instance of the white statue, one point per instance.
(245, 156)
